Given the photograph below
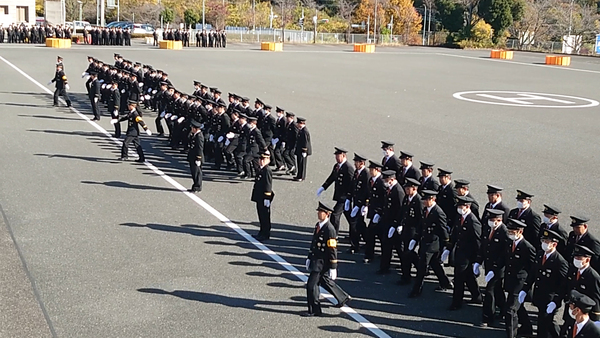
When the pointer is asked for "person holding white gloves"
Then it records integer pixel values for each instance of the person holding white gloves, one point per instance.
(322, 264)
(93, 88)
(134, 119)
(262, 195)
(60, 82)
(374, 206)
(195, 155)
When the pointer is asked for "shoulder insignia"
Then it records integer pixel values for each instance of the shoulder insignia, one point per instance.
(332, 243)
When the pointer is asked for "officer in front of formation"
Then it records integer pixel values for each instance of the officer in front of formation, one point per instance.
(262, 195)
(545, 280)
(61, 85)
(341, 177)
(432, 235)
(582, 325)
(134, 120)
(195, 156)
(525, 214)
(520, 257)
(322, 264)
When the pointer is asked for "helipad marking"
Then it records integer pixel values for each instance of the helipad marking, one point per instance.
(525, 99)
(301, 276)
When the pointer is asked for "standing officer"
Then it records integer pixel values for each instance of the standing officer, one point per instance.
(581, 236)
(525, 214)
(114, 100)
(548, 275)
(341, 175)
(195, 156)
(428, 182)
(322, 259)
(550, 222)
(411, 218)
(375, 203)
(391, 215)
(279, 139)
(582, 325)
(432, 235)
(495, 202)
(61, 85)
(93, 88)
(289, 144)
(492, 256)
(134, 118)
(303, 149)
(520, 258)
(358, 198)
(262, 195)
(465, 240)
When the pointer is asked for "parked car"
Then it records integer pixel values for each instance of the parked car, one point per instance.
(79, 26)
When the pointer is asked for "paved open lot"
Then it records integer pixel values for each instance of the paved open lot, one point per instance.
(92, 247)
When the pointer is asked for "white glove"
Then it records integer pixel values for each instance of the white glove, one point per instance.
(283, 144)
(174, 117)
(96, 99)
(141, 85)
(364, 210)
(274, 141)
(211, 138)
(84, 74)
(347, 205)
(49, 83)
(198, 163)
(551, 307)
(332, 274)
(307, 264)
(391, 232)
(376, 218)
(220, 139)
(202, 126)
(148, 132)
(267, 203)
(399, 229)
(114, 121)
(320, 191)
(167, 115)
(522, 295)
(354, 212)
(101, 81)
(445, 255)
(67, 86)
(489, 276)
(122, 91)
(162, 114)
(476, 270)
(411, 244)
(149, 90)
(153, 92)
(103, 86)
(147, 97)
(304, 155)
(230, 135)
(227, 142)
(181, 119)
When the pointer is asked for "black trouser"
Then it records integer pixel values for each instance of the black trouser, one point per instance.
(409, 257)
(158, 123)
(264, 218)
(219, 149)
(117, 124)
(239, 160)
(301, 167)
(546, 326)
(136, 143)
(250, 165)
(372, 232)
(278, 155)
(321, 278)
(357, 230)
(229, 154)
(387, 247)
(61, 92)
(430, 259)
(336, 215)
(178, 133)
(493, 297)
(290, 159)
(515, 314)
(463, 274)
(94, 102)
(196, 171)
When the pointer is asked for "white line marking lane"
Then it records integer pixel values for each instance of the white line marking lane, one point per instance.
(301, 276)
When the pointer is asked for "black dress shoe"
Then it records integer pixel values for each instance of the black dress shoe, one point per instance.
(311, 314)
(123, 158)
(262, 238)
(477, 300)
(140, 160)
(297, 179)
(344, 302)
(524, 332)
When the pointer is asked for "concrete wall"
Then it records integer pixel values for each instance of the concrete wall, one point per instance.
(12, 16)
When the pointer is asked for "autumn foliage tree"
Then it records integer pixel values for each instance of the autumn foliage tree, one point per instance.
(407, 22)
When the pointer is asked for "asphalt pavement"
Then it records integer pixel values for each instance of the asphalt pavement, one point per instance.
(111, 249)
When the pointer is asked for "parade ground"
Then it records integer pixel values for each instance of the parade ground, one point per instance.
(95, 247)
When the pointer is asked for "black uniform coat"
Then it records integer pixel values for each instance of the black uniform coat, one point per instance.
(392, 207)
(256, 143)
(492, 253)
(588, 284)
(412, 216)
(589, 241)
(411, 172)
(434, 230)
(546, 279)
(303, 144)
(589, 330)
(342, 176)
(360, 188)
(377, 197)
(263, 185)
(533, 221)
(518, 265)
(291, 135)
(60, 80)
(323, 249)
(196, 151)
(465, 240)
(392, 163)
(429, 183)
(446, 200)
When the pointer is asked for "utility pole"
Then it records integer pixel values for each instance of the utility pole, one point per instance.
(368, 26)
(429, 26)
(80, 9)
(315, 18)
(203, 12)
(375, 23)
(283, 21)
(424, 24)
(253, 15)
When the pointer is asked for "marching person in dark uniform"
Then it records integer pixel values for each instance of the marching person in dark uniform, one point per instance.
(279, 139)
(550, 222)
(375, 202)
(341, 177)
(495, 202)
(358, 197)
(134, 118)
(114, 100)
(428, 182)
(61, 86)
(254, 147)
(322, 264)
(289, 144)
(262, 195)
(492, 256)
(462, 189)
(407, 169)
(303, 149)
(195, 156)
(580, 235)
(391, 216)
(446, 195)
(223, 124)
(520, 258)
(93, 88)
(465, 241)
(412, 216)
(432, 236)
(389, 161)
(524, 213)
(545, 280)
(582, 325)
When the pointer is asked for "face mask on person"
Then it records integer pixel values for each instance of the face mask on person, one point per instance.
(520, 205)
(460, 211)
(513, 237)
(384, 152)
(545, 219)
(572, 313)
(491, 224)
(545, 246)
(578, 263)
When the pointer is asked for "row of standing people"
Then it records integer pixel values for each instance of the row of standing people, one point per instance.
(107, 36)
(32, 34)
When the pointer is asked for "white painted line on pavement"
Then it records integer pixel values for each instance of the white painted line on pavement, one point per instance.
(520, 63)
(301, 276)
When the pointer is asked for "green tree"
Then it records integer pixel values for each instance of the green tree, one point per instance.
(191, 17)
(167, 15)
(451, 15)
(500, 14)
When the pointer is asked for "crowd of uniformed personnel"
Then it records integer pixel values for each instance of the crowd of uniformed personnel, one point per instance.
(107, 36)
(427, 221)
(22, 33)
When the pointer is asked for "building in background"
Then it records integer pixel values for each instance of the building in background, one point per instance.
(17, 11)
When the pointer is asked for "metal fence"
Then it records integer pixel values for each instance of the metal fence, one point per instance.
(587, 48)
